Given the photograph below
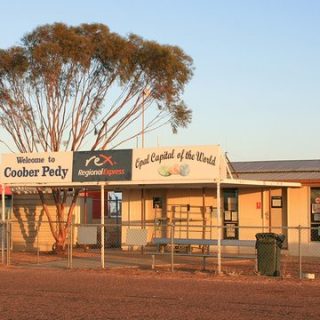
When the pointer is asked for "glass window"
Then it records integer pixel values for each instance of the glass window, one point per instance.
(157, 203)
(315, 214)
(114, 204)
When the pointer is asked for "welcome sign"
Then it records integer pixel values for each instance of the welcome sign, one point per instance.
(190, 163)
(178, 163)
(44, 167)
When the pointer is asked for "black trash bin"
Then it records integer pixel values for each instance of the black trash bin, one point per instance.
(268, 247)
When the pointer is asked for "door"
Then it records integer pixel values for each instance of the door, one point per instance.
(230, 214)
(113, 211)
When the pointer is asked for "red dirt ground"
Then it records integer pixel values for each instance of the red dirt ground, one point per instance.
(141, 294)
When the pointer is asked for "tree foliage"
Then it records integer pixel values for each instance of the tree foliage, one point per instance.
(62, 84)
(68, 88)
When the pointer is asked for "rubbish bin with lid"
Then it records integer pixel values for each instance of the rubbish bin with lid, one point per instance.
(268, 247)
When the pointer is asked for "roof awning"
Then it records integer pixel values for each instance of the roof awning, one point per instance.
(227, 183)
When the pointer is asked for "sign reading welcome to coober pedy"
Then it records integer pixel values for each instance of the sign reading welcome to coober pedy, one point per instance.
(47, 167)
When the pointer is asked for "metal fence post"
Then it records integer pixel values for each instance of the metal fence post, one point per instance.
(71, 243)
(38, 249)
(8, 241)
(299, 251)
(219, 225)
(3, 231)
(102, 225)
(172, 247)
(2, 242)
(68, 251)
(3, 234)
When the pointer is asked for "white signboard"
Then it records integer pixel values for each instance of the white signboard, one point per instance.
(137, 237)
(37, 167)
(178, 163)
(87, 235)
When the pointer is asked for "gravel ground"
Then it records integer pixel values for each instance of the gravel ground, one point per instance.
(142, 294)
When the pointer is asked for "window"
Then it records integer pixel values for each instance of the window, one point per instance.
(157, 203)
(114, 204)
(315, 214)
(276, 202)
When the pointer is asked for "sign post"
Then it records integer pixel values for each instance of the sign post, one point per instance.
(102, 226)
(3, 208)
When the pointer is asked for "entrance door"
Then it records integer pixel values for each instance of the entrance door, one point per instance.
(230, 214)
(278, 221)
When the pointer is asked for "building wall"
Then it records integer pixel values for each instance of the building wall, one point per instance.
(30, 226)
(195, 221)
(174, 208)
(131, 211)
(251, 213)
(299, 215)
(30, 221)
(255, 210)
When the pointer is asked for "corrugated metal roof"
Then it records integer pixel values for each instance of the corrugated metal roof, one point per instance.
(285, 170)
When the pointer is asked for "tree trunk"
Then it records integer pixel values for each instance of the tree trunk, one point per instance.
(60, 228)
(59, 246)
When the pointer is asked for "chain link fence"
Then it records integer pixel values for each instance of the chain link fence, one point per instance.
(166, 246)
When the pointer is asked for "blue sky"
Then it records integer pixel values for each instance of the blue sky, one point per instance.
(256, 87)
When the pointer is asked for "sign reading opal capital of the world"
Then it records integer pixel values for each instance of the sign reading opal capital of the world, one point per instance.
(111, 165)
(43, 167)
(178, 163)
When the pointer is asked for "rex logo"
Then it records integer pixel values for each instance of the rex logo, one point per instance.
(100, 160)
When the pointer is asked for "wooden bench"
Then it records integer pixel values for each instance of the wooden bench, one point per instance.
(161, 242)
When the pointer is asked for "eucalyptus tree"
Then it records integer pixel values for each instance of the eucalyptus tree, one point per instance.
(69, 88)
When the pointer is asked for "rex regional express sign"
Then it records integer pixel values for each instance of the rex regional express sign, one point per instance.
(150, 165)
(110, 165)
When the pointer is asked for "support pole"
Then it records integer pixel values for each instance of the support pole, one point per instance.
(38, 249)
(3, 233)
(9, 231)
(69, 241)
(143, 214)
(172, 247)
(143, 209)
(204, 220)
(71, 246)
(8, 242)
(299, 252)
(102, 226)
(219, 225)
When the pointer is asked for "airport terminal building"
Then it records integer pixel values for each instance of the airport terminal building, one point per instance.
(193, 187)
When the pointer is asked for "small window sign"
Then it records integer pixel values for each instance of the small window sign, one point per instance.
(276, 202)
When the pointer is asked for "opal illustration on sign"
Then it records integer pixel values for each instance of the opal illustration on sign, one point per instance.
(176, 169)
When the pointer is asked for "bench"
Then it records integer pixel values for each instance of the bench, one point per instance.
(161, 242)
(203, 242)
